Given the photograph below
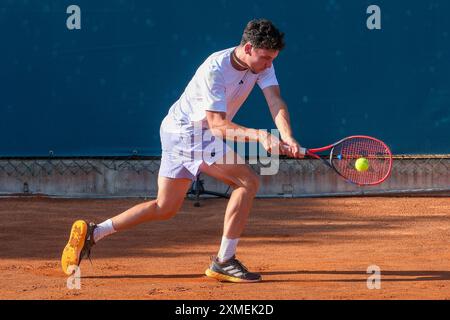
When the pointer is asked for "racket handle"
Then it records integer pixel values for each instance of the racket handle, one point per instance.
(302, 151)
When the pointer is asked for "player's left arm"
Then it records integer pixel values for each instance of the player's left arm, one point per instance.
(280, 114)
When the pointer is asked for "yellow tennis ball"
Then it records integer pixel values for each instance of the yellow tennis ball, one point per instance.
(362, 164)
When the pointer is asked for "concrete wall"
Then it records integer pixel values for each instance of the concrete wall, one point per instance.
(96, 178)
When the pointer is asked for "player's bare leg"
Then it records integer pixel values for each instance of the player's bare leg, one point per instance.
(171, 194)
(245, 184)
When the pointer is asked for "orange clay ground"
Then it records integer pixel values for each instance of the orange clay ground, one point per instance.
(304, 248)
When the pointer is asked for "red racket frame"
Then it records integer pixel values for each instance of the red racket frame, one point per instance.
(313, 153)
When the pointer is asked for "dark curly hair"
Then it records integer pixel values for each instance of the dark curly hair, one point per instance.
(262, 34)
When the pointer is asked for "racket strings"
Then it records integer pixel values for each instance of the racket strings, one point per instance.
(346, 154)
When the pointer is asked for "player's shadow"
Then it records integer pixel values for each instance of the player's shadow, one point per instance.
(386, 276)
(148, 276)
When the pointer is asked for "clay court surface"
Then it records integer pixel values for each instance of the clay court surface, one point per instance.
(304, 248)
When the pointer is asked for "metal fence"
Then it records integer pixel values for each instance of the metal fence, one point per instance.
(75, 166)
(137, 177)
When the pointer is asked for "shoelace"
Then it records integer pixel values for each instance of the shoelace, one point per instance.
(241, 265)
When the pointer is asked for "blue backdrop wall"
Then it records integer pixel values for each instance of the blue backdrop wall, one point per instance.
(104, 89)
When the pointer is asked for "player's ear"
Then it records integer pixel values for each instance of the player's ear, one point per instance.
(248, 48)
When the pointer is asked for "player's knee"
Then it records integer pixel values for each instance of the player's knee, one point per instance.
(165, 211)
(252, 184)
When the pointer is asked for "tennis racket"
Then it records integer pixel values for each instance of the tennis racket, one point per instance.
(344, 154)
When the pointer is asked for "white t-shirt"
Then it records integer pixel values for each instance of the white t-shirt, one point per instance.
(216, 86)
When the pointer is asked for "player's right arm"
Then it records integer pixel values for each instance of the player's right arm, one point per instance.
(221, 127)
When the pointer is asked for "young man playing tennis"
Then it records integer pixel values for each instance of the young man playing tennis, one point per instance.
(212, 98)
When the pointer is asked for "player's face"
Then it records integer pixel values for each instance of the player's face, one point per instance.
(259, 60)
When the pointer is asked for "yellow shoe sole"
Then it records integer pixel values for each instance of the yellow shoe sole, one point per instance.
(225, 278)
(72, 250)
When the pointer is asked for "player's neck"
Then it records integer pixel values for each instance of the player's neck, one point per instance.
(237, 62)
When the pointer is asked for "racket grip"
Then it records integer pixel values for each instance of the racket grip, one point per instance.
(302, 151)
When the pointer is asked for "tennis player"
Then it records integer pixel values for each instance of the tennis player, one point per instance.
(212, 98)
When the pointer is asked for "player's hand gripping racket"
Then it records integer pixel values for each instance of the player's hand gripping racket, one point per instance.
(361, 160)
